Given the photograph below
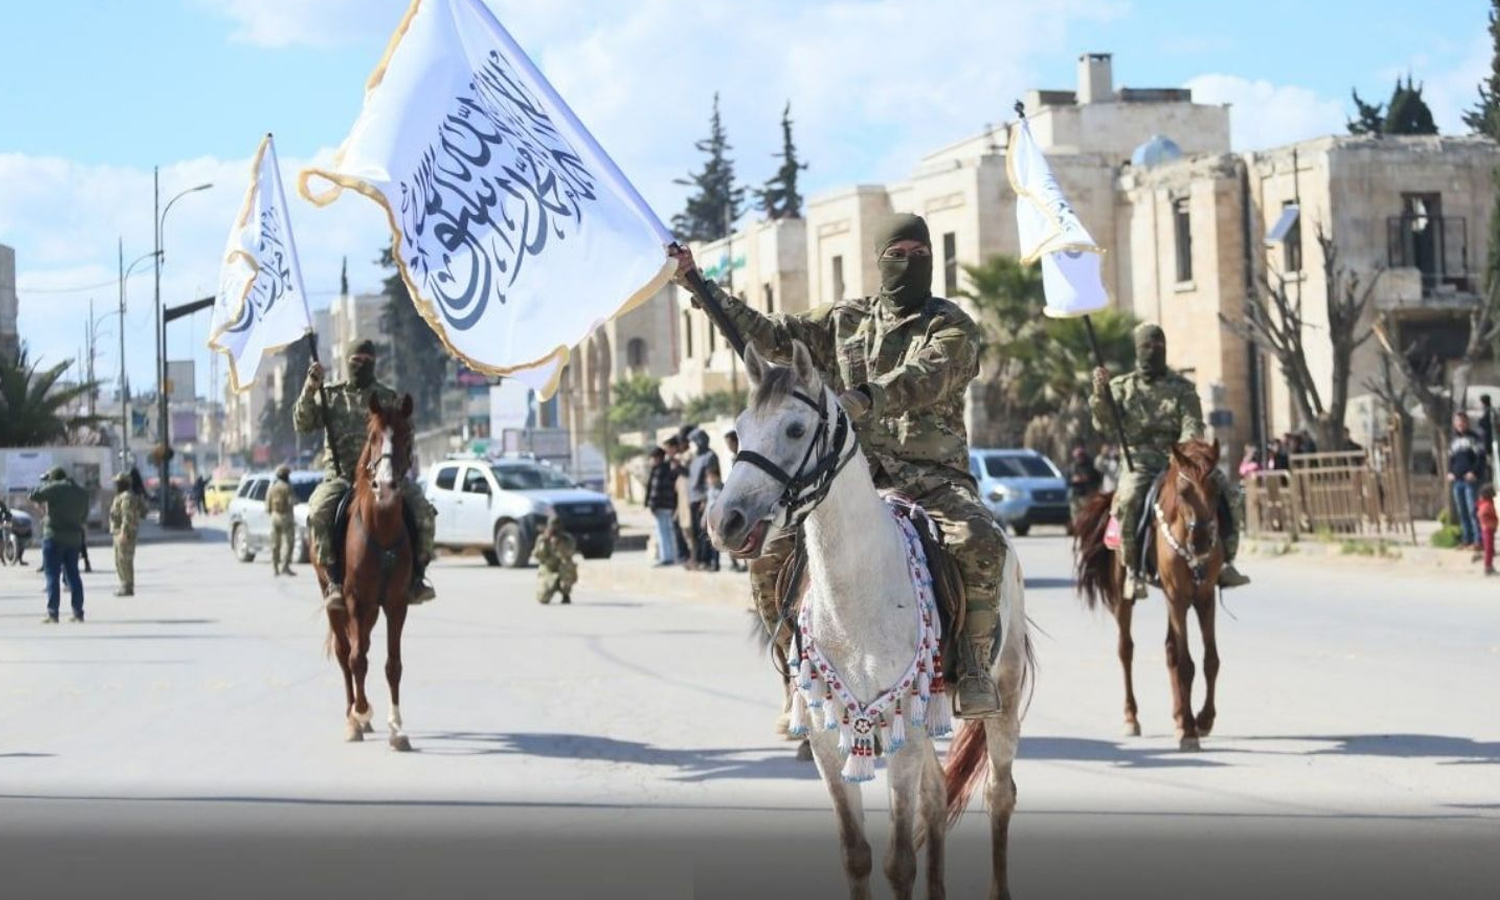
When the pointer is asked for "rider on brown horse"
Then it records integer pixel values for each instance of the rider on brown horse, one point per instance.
(1158, 408)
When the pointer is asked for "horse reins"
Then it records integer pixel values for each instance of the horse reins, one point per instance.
(1197, 563)
(800, 495)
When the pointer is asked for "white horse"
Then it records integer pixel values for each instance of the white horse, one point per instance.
(805, 466)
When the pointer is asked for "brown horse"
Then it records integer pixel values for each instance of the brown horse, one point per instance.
(377, 569)
(1189, 553)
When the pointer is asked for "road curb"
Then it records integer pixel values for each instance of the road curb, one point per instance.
(1364, 551)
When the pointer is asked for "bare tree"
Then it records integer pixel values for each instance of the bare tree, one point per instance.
(1425, 384)
(1274, 321)
(1395, 395)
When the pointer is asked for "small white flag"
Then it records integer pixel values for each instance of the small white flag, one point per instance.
(1050, 231)
(516, 234)
(261, 306)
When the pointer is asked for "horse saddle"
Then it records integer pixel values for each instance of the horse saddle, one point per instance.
(1145, 531)
(341, 517)
(947, 583)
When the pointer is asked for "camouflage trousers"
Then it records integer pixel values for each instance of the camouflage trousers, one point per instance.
(323, 505)
(551, 581)
(283, 541)
(1131, 493)
(969, 533)
(125, 560)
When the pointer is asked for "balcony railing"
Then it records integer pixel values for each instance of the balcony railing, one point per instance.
(1438, 247)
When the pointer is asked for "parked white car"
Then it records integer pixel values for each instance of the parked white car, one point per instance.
(250, 524)
(500, 506)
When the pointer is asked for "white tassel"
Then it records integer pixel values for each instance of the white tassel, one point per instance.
(797, 727)
(830, 713)
(939, 714)
(846, 737)
(898, 729)
(805, 672)
(860, 766)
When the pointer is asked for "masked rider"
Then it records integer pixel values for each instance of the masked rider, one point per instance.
(1158, 408)
(901, 361)
(348, 428)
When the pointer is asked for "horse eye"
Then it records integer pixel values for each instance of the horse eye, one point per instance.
(795, 431)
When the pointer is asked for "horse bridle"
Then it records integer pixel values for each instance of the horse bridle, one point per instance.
(802, 491)
(1197, 563)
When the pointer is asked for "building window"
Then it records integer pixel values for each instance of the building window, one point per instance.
(635, 353)
(950, 264)
(770, 296)
(1291, 245)
(687, 334)
(1183, 228)
(838, 278)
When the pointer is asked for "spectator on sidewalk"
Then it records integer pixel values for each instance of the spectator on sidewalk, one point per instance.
(682, 519)
(705, 465)
(1465, 471)
(62, 536)
(661, 499)
(1250, 462)
(1488, 521)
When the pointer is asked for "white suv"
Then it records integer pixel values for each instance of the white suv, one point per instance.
(250, 524)
(500, 506)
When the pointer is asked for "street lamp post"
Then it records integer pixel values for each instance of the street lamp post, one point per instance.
(159, 220)
(124, 406)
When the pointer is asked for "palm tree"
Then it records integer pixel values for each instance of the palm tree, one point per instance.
(32, 405)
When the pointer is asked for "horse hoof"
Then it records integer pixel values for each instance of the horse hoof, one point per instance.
(804, 752)
(784, 726)
(353, 733)
(369, 729)
(400, 743)
(1189, 745)
(1132, 729)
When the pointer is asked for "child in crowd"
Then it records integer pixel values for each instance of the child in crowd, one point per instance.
(1488, 520)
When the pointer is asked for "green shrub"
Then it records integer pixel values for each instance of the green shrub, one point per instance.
(1446, 537)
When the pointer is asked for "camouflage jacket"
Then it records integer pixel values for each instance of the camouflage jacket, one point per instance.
(279, 499)
(349, 415)
(1156, 413)
(555, 554)
(125, 514)
(916, 367)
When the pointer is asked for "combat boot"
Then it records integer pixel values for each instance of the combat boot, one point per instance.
(978, 697)
(333, 597)
(1230, 577)
(421, 589)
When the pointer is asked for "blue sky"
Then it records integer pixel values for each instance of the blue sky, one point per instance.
(93, 93)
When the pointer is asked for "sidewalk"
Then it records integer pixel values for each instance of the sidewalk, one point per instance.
(1363, 549)
(631, 569)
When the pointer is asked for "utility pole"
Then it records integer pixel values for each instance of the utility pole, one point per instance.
(161, 353)
(124, 400)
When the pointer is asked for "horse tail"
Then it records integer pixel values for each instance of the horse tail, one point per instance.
(1093, 562)
(968, 765)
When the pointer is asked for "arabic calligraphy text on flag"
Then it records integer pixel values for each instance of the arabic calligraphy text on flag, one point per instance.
(515, 232)
(1050, 231)
(261, 306)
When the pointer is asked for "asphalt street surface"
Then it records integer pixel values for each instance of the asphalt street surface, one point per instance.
(189, 741)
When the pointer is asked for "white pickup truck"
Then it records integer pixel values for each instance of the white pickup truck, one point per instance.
(499, 507)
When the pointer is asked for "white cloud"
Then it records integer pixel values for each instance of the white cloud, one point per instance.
(315, 23)
(1263, 115)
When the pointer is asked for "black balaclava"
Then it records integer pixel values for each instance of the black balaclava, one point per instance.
(362, 372)
(905, 284)
(1150, 350)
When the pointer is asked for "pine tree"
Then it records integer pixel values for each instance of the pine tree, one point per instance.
(710, 212)
(416, 362)
(1369, 118)
(1405, 113)
(779, 199)
(1484, 118)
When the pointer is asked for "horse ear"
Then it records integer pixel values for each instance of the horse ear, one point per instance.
(1177, 455)
(802, 365)
(406, 406)
(374, 404)
(755, 367)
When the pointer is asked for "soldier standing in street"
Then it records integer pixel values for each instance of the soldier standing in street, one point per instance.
(901, 362)
(1158, 408)
(347, 416)
(556, 573)
(67, 510)
(125, 515)
(279, 502)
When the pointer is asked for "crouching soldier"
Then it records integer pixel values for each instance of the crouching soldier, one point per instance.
(554, 555)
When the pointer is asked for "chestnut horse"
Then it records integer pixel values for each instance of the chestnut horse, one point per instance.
(377, 569)
(1189, 553)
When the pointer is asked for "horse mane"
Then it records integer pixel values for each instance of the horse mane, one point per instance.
(777, 384)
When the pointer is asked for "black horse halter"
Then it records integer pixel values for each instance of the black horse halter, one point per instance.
(803, 491)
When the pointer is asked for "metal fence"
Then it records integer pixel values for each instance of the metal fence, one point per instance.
(1344, 493)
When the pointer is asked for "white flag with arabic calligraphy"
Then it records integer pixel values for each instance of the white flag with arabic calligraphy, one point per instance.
(1050, 231)
(261, 306)
(516, 233)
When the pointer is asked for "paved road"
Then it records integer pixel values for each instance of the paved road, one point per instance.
(622, 745)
